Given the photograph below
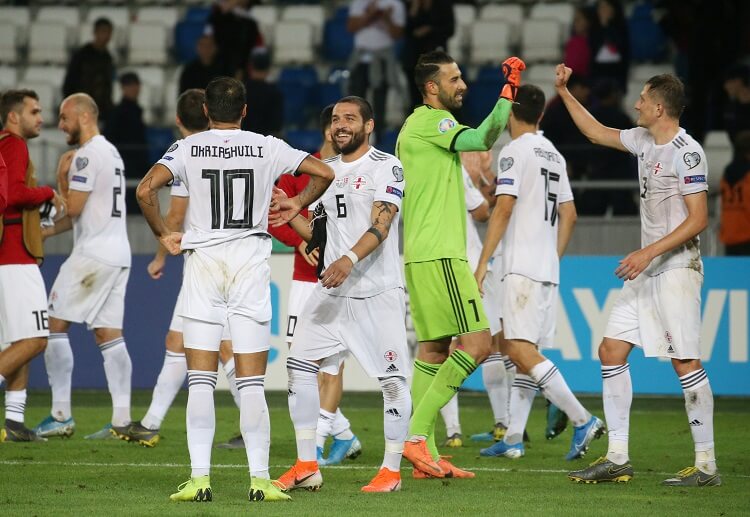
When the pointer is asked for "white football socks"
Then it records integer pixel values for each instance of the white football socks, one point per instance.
(118, 369)
(255, 424)
(521, 398)
(699, 404)
(58, 360)
(15, 405)
(556, 390)
(396, 414)
(342, 429)
(304, 405)
(449, 412)
(494, 377)
(325, 426)
(169, 382)
(231, 380)
(200, 420)
(617, 395)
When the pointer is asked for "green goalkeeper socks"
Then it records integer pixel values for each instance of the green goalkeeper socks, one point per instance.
(424, 374)
(445, 384)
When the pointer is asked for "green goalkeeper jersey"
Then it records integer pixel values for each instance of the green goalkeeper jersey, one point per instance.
(434, 208)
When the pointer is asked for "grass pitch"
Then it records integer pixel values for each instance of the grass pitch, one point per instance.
(78, 477)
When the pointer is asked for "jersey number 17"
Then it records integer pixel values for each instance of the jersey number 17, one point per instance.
(551, 183)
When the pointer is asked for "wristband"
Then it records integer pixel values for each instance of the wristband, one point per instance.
(352, 256)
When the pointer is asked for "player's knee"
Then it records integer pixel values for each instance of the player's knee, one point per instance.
(302, 372)
(394, 389)
(611, 353)
(36, 346)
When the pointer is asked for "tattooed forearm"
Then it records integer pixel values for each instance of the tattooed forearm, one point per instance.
(314, 189)
(376, 233)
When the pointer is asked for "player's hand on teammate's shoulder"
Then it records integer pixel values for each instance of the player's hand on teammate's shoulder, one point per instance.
(155, 268)
(634, 264)
(335, 274)
(171, 242)
(562, 74)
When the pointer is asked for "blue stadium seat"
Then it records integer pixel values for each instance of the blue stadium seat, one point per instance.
(197, 14)
(490, 73)
(480, 100)
(651, 43)
(388, 142)
(337, 41)
(299, 87)
(159, 139)
(308, 140)
(186, 33)
(332, 89)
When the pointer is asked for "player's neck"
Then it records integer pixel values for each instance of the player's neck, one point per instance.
(87, 134)
(356, 155)
(519, 129)
(434, 102)
(224, 125)
(15, 131)
(664, 131)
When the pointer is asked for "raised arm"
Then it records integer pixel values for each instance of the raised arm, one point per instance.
(591, 128)
(381, 216)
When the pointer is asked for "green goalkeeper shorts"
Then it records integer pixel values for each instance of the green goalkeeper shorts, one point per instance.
(444, 299)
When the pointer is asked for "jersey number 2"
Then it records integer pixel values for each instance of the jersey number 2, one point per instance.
(117, 192)
(225, 181)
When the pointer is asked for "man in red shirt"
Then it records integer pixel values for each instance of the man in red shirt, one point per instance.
(331, 420)
(3, 185)
(23, 298)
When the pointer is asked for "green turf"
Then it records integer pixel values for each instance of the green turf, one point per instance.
(77, 477)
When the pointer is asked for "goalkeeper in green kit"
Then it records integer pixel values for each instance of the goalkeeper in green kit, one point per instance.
(443, 294)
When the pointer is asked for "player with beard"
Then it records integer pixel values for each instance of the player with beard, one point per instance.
(90, 287)
(23, 298)
(359, 305)
(443, 295)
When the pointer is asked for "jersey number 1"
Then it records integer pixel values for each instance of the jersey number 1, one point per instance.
(549, 178)
(225, 181)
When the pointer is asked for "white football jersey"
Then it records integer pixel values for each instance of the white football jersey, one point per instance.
(474, 200)
(531, 169)
(666, 173)
(376, 176)
(229, 175)
(100, 232)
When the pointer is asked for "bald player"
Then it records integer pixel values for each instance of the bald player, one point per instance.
(90, 287)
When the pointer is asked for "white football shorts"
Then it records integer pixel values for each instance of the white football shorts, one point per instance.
(228, 283)
(373, 329)
(176, 325)
(529, 310)
(299, 294)
(661, 314)
(23, 303)
(89, 291)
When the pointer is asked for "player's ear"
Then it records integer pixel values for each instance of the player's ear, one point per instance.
(244, 111)
(370, 126)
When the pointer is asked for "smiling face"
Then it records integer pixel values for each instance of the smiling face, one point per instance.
(348, 129)
(70, 122)
(450, 86)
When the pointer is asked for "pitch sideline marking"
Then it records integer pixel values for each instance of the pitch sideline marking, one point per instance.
(332, 467)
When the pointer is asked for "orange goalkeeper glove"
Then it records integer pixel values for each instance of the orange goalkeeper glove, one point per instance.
(512, 68)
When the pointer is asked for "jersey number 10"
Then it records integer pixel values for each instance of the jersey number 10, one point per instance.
(225, 181)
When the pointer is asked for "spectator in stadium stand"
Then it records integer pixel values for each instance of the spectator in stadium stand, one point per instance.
(577, 49)
(737, 109)
(610, 43)
(199, 72)
(236, 33)
(91, 69)
(606, 163)
(265, 102)
(429, 26)
(559, 128)
(126, 130)
(377, 25)
(735, 199)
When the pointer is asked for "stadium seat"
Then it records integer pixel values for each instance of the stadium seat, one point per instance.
(337, 41)
(539, 72)
(171, 87)
(490, 42)
(197, 14)
(562, 12)
(53, 75)
(465, 15)
(18, 16)
(67, 16)
(541, 41)
(312, 14)
(387, 143)
(147, 44)
(186, 34)
(651, 43)
(8, 77)
(159, 139)
(308, 140)
(480, 100)
(293, 43)
(332, 89)
(166, 16)
(490, 73)
(48, 43)
(299, 86)
(8, 43)
(266, 16)
(508, 13)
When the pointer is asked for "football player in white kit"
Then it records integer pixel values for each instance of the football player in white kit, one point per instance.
(90, 287)
(358, 306)
(534, 216)
(229, 174)
(659, 307)
(190, 119)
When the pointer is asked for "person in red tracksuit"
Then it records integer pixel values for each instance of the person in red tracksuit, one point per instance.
(331, 420)
(23, 297)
